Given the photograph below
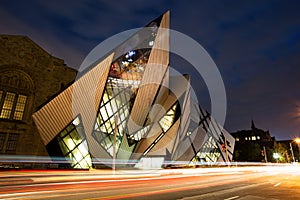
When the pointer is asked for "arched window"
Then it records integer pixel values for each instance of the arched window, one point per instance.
(16, 97)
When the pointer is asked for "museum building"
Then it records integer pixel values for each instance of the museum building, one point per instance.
(125, 110)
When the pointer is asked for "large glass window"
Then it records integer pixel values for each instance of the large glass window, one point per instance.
(7, 105)
(73, 145)
(168, 119)
(12, 105)
(125, 75)
(165, 123)
(209, 152)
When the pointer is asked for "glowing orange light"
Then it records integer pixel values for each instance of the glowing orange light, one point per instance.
(297, 140)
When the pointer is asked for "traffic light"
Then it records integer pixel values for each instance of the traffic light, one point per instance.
(223, 147)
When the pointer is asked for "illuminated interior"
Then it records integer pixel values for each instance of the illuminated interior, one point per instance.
(73, 145)
(140, 133)
(13, 105)
(165, 123)
(125, 75)
(130, 66)
(168, 119)
(208, 153)
(20, 107)
(7, 105)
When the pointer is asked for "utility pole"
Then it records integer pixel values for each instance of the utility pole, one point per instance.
(292, 151)
(265, 152)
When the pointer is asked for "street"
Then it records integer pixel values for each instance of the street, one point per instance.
(263, 182)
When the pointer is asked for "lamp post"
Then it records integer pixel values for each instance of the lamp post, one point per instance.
(297, 140)
(292, 151)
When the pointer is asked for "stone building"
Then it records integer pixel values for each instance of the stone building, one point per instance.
(253, 145)
(29, 77)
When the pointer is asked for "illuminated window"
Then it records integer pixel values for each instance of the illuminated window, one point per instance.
(165, 123)
(20, 107)
(237, 139)
(168, 119)
(140, 134)
(258, 137)
(246, 138)
(73, 145)
(7, 105)
(13, 105)
(208, 153)
(253, 138)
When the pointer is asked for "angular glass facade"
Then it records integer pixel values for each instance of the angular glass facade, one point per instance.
(136, 90)
(73, 145)
(209, 152)
(125, 75)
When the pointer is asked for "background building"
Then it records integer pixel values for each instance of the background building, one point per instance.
(29, 77)
(254, 145)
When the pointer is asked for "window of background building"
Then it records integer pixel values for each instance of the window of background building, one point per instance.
(8, 142)
(12, 105)
(2, 140)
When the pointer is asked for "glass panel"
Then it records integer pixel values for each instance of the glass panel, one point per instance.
(208, 153)
(20, 107)
(69, 142)
(7, 105)
(83, 148)
(110, 110)
(78, 156)
(103, 113)
(168, 119)
(63, 147)
(75, 136)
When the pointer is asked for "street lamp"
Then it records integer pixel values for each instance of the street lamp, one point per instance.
(276, 156)
(297, 140)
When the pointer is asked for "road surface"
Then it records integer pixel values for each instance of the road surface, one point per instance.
(227, 183)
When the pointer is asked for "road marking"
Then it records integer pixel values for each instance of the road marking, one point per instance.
(277, 184)
(230, 198)
(223, 192)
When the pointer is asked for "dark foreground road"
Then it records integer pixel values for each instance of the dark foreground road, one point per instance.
(253, 183)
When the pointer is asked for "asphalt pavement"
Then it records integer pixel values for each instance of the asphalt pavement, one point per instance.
(226, 183)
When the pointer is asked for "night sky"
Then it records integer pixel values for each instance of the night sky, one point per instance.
(255, 45)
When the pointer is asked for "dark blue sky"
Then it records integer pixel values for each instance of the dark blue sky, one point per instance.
(255, 44)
